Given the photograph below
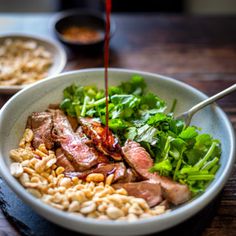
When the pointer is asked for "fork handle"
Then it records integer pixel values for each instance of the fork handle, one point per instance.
(212, 99)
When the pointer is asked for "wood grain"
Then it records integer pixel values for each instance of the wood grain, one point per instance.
(200, 51)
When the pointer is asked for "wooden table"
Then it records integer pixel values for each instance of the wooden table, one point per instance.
(200, 51)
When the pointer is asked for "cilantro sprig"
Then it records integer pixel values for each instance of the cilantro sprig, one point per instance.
(179, 152)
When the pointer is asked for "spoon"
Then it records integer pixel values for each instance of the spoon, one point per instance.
(187, 116)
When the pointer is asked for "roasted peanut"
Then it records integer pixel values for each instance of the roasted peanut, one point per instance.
(87, 207)
(27, 137)
(109, 179)
(114, 212)
(159, 210)
(59, 170)
(40, 166)
(40, 153)
(34, 192)
(24, 178)
(95, 177)
(132, 217)
(74, 206)
(14, 154)
(135, 209)
(16, 169)
(65, 182)
(51, 162)
(121, 191)
(42, 148)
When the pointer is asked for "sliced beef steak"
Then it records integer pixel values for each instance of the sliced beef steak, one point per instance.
(41, 124)
(83, 137)
(118, 169)
(81, 156)
(130, 176)
(63, 161)
(148, 190)
(97, 133)
(138, 158)
(73, 122)
(174, 192)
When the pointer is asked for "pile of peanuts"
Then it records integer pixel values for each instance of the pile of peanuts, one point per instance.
(23, 62)
(96, 198)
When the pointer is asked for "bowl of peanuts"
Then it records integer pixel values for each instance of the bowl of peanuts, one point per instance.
(94, 206)
(25, 59)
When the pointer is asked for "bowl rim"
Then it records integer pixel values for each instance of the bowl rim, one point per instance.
(27, 36)
(81, 12)
(182, 213)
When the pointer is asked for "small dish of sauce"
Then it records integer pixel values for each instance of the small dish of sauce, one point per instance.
(82, 30)
(81, 34)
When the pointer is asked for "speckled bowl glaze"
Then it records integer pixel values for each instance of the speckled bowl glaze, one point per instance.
(37, 97)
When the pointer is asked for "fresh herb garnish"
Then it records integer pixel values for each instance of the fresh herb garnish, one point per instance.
(179, 152)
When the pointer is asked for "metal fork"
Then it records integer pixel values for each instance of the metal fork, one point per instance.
(187, 116)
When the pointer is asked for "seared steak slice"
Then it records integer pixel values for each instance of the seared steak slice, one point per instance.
(73, 122)
(174, 192)
(118, 169)
(41, 124)
(81, 156)
(63, 161)
(140, 160)
(97, 133)
(148, 190)
(82, 136)
(130, 176)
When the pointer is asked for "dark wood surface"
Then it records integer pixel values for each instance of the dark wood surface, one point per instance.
(200, 51)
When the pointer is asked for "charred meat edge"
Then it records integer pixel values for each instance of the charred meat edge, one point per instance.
(97, 133)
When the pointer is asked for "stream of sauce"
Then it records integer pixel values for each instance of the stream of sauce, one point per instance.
(106, 63)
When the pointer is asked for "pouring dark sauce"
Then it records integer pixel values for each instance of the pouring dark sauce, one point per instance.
(106, 64)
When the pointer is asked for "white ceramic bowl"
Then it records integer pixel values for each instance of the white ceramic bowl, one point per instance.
(57, 51)
(37, 97)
